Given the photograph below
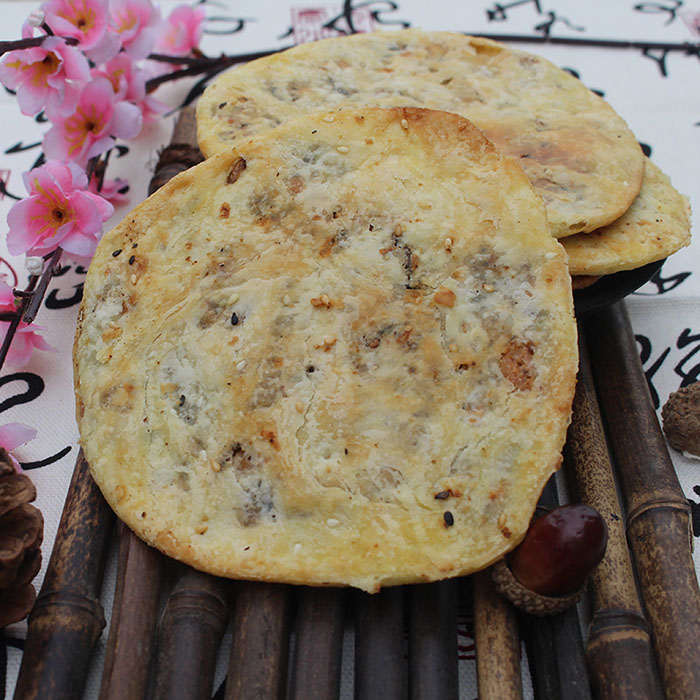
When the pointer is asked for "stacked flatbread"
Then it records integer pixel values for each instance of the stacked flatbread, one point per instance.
(578, 153)
(342, 352)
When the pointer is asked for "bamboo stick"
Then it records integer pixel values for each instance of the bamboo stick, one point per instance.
(67, 618)
(619, 652)
(432, 640)
(189, 635)
(260, 647)
(497, 642)
(181, 153)
(658, 518)
(136, 598)
(133, 620)
(319, 643)
(380, 666)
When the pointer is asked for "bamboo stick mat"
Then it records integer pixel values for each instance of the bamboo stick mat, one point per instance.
(635, 636)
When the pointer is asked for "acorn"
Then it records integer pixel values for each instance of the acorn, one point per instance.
(680, 417)
(546, 573)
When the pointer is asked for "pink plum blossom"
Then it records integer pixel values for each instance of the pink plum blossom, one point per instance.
(42, 76)
(91, 129)
(12, 435)
(84, 20)
(183, 31)
(59, 211)
(129, 83)
(137, 23)
(26, 339)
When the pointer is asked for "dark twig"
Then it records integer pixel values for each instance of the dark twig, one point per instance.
(197, 66)
(685, 46)
(17, 44)
(50, 269)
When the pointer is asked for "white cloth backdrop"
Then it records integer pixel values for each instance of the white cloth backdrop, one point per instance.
(656, 91)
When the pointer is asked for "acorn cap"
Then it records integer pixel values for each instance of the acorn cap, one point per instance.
(526, 599)
(21, 534)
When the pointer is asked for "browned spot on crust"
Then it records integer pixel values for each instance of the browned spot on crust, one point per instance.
(583, 281)
(165, 540)
(271, 437)
(224, 211)
(111, 333)
(327, 247)
(505, 530)
(445, 297)
(326, 345)
(413, 296)
(237, 168)
(516, 364)
(404, 337)
(296, 185)
(323, 301)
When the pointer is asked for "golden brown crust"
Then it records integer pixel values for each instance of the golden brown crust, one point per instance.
(282, 392)
(578, 153)
(654, 227)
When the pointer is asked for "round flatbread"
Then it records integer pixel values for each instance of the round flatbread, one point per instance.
(342, 353)
(578, 153)
(654, 227)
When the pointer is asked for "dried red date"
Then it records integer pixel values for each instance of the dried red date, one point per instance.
(560, 549)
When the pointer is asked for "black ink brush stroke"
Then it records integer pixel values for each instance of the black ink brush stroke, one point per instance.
(35, 387)
(6, 193)
(47, 460)
(349, 7)
(689, 376)
(238, 25)
(695, 512)
(665, 284)
(54, 301)
(649, 372)
(692, 49)
(499, 13)
(660, 8)
(19, 147)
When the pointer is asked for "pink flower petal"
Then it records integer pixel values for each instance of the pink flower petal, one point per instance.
(88, 216)
(137, 23)
(183, 31)
(80, 244)
(7, 297)
(84, 20)
(23, 232)
(101, 203)
(106, 49)
(12, 435)
(99, 146)
(127, 120)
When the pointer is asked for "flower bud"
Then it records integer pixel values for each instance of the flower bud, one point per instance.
(34, 264)
(36, 18)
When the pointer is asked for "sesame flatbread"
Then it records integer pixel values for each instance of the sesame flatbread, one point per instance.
(654, 227)
(578, 153)
(286, 372)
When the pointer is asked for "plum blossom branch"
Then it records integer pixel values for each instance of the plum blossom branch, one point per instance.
(86, 70)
